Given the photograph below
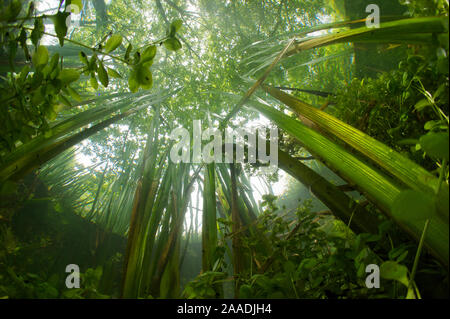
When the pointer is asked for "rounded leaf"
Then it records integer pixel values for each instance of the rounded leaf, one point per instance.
(67, 76)
(133, 83)
(144, 76)
(435, 144)
(148, 54)
(113, 42)
(394, 271)
(172, 44)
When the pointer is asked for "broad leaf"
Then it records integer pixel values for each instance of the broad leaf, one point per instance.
(113, 42)
(172, 44)
(102, 74)
(413, 205)
(40, 57)
(435, 145)
(68, 76)
(394, 271)
(59, 20)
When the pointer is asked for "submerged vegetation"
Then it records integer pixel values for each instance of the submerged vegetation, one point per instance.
(93, 91)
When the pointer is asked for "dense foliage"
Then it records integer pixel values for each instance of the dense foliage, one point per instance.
(86, 175)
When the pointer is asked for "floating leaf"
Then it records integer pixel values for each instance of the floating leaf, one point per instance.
(113, 42)
(435, 144)
(59, 20)
(102, 74)
(40, 57)
(413, 205)
(172, 44)
(394, 271)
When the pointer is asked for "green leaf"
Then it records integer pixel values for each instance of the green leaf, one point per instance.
(394, 271)
(245, 292)
(11, 12)
(148, 54)
(412, 205)
(77, 3)
(40, 57)
(67, 76)
(93, 62)
(144, 76)
(113, 42)
(422, 104)
(113, 73)
(23, 43)
(63, 100)
(52, 65)
(102, 74)
(8, 188)
(74, 94)
(59, 20)
(38, 30)
(435, 125)
(133, 83)
(172, 44)
(93, 81)
(442, 65)
(127, 53)
(83, 58)
(435, 144)
(174, 27)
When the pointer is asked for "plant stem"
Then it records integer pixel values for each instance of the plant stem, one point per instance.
(416, 259)
(441, 175)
